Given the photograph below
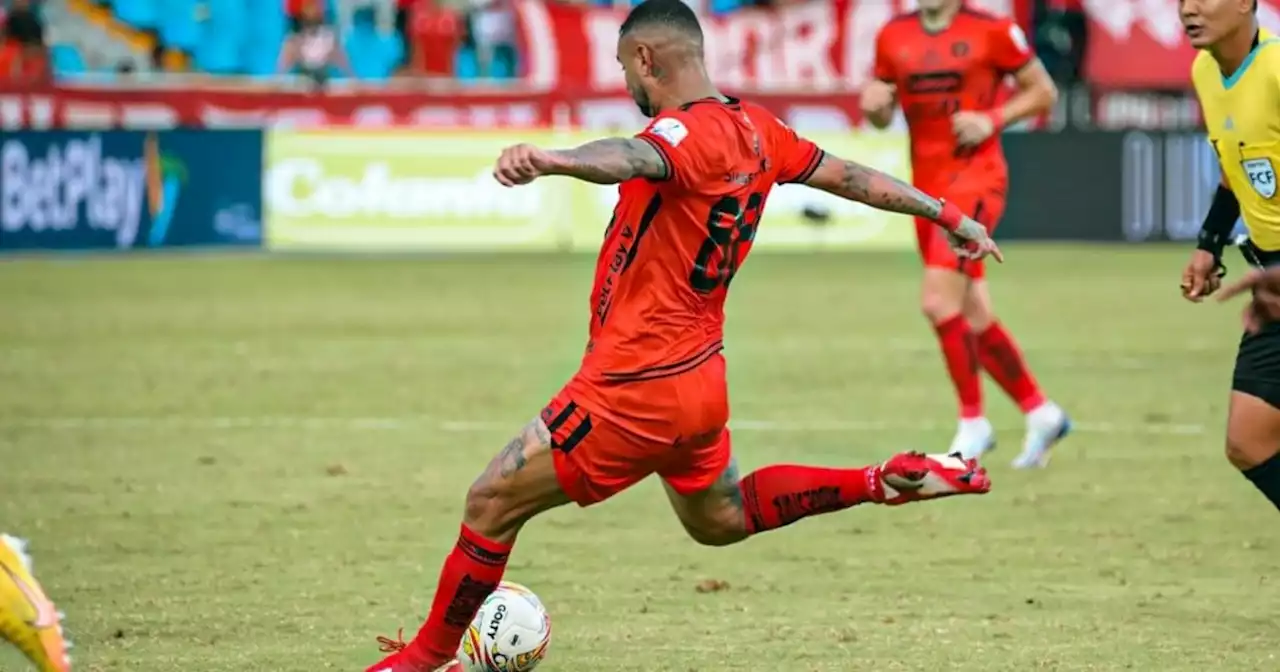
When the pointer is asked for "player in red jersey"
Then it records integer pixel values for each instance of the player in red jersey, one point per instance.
(651, 397)
(946, 63)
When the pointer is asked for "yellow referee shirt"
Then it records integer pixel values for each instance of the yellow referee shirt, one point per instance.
(1242, 116)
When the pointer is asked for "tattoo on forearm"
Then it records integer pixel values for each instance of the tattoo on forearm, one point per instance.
(879, 190)
(612, 160)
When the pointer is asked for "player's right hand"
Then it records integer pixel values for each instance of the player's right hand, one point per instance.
(522, 164)
(1201, 277)
(877, 97)
(972, 241)
(1264, 305)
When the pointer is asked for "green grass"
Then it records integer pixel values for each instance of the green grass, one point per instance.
(231, 464)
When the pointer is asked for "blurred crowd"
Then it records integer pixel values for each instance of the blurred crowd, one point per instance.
(23, 56)
(465, 39)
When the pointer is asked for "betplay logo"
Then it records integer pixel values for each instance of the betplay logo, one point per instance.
(75, 185)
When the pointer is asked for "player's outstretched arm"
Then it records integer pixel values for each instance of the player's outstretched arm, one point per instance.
(610, 161)
(882, 191)
(607, 161)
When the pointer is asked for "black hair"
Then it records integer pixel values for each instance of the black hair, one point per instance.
(673, 14)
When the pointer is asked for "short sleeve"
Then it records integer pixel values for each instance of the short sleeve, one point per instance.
(675, 136)
(1009, 49)
(883, 67)
(797, 157)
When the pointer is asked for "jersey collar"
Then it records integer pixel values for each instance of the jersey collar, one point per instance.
(1258, 41)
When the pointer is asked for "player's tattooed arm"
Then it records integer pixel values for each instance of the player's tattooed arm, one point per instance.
(610, 161)
(864, 184)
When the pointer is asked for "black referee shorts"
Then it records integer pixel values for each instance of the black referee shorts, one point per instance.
(1257, 371)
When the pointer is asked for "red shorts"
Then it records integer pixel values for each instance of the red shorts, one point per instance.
(985, 205)
(606, 438)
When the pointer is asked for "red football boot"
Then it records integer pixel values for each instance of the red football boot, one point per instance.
(396, 663)
(912, 477)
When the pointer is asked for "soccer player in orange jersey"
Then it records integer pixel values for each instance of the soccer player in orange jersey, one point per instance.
(650, 397)
(946, 63)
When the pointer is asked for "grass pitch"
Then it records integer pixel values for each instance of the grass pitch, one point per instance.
(231, 464)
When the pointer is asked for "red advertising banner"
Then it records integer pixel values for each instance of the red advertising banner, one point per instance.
(1140, 44)
(92, 108)
(808, 47)
(83, 108)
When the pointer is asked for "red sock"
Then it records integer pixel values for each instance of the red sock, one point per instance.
(471, 572)
(781, 494)
(958, 349)
(1002, 359)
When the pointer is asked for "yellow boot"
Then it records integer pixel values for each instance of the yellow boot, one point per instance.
(27, 618)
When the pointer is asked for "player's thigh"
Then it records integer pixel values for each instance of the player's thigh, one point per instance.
(706, 496)
(1253, 419)
(594, 457)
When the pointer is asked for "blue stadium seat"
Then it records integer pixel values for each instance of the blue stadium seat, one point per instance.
(67, 61)
(264, 35)
(465, 65)
(138, 13)
(373, 56)
(178, 26)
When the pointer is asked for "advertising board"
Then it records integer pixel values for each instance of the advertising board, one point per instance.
(69, 190)
(432, 190)
(1132, 186)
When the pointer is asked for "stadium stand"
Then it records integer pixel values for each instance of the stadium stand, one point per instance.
(93, 38)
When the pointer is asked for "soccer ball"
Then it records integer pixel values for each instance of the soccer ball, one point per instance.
(511, 632)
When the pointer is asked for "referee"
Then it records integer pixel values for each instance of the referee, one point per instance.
(1235, 76)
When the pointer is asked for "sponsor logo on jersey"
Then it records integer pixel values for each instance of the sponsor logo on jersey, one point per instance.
(672, 130)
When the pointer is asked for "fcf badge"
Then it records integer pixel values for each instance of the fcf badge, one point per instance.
(1261, 174)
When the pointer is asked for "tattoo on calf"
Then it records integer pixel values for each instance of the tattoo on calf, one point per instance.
(729, 483)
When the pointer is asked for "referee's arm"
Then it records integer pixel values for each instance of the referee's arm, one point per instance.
(1204, 273)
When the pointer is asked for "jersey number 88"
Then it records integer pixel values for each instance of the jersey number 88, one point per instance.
(729, 227)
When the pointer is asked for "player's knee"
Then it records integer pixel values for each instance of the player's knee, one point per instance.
(1244, 455)
(721, 529)
(938, 306)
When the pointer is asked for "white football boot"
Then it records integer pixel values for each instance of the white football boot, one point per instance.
(1046, 426)
(974, 438)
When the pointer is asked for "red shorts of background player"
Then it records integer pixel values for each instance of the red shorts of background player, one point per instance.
(606, 438)
(985, 205)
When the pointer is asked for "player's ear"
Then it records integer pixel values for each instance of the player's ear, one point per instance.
(644, 54)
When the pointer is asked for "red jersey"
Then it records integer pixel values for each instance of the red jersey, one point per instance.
(673, 246)
(938, 74)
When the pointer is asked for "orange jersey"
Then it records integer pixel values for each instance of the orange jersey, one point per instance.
(938, 74)
(673, 246)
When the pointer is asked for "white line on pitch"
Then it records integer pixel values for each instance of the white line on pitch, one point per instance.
(411, 422)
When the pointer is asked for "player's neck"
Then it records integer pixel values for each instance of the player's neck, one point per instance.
(691, 87)
(1231, 51)
(938, 20)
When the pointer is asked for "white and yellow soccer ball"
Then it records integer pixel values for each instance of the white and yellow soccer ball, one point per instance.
(511, 632)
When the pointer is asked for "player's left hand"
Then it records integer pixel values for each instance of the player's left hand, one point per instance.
(972, 128)
(522, 164)
(971, 241)
(1265, 304)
